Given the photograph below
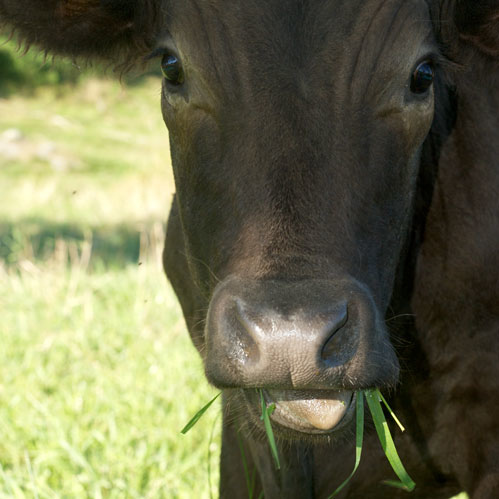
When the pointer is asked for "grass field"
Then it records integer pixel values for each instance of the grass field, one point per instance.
(97, 373)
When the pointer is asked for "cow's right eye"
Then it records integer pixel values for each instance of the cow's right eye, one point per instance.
(172, 69)
(422, 78)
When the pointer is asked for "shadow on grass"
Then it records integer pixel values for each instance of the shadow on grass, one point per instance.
(108, 246)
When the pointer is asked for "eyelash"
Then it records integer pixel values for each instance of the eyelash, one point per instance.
(156, 53)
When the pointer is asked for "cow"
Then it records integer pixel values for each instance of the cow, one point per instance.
(335, 226)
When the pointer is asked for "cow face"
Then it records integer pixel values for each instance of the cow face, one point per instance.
(296, 130)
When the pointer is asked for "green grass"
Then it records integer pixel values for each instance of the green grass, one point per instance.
(97, 377)
(31, 71)
(97, 372)
(97, 155)
(267, 411)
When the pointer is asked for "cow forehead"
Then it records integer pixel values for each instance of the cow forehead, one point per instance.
(285, 29)
(275, 40)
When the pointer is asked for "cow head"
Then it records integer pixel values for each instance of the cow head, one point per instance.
(296, 135)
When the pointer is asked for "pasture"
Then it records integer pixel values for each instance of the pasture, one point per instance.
(97, 373)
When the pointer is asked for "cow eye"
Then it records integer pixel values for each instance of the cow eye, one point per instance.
(172, 69)
(422, 78)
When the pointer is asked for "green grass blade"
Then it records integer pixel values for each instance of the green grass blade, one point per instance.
(396, 484)
(373, 401)
(198, 415)
(266, 412)
(208, 462)
(250, 480)
(359, 436)
(392, 414)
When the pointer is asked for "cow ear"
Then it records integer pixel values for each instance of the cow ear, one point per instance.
(116, 30)
(477, 23)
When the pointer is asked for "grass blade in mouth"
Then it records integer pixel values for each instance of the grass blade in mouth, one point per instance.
(198, 415)
(374, 399)
(392, 414)
(359, 436)
(265, 417)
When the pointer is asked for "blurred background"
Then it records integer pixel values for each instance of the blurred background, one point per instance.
(97, 373)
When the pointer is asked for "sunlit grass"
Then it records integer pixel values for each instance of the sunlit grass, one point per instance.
(97, 376)
(98, 153)
(97, 372)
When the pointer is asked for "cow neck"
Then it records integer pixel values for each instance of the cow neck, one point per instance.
(458, 264)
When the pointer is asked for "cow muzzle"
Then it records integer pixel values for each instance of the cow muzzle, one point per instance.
(310, 345)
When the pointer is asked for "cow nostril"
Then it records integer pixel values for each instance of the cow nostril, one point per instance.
(245, 346)
(337, 347)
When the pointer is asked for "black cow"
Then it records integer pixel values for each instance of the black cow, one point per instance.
(336, 216)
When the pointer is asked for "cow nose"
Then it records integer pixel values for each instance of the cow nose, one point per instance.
(300, 335)
(262, 331)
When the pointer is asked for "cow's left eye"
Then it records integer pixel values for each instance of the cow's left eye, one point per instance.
(422, 78)
(172, 69)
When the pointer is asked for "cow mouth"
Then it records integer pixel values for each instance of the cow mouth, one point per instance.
(311, 411)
